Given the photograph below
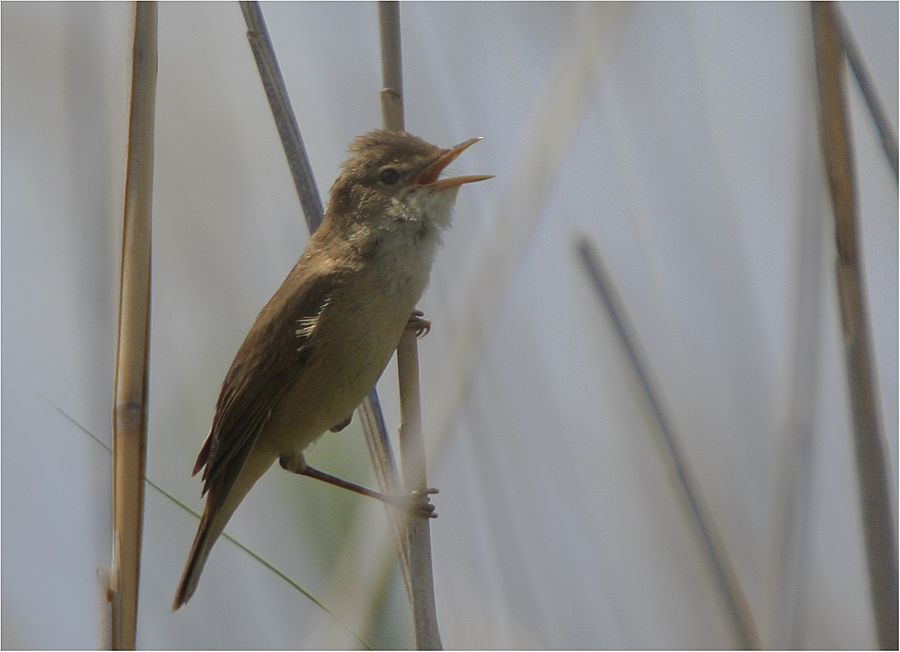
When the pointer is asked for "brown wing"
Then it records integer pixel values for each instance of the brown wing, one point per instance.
(279, 344)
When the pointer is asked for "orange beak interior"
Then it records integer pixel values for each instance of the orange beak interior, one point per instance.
(429, 176)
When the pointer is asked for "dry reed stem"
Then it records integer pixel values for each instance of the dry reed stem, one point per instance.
(412, 448)
(130, 384)
(872, 467)
(369, 412)
(727, 583)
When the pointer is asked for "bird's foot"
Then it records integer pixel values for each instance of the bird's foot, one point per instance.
(418, 323)
(414, 504)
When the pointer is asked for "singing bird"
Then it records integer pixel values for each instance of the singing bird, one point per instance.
(323, 339)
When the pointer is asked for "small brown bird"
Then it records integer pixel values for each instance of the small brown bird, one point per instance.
(324, 338)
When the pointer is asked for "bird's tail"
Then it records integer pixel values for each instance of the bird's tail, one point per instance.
(216, 515)
(211, 525)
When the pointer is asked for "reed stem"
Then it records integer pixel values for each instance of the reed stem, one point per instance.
(412, 447)
(130, 384)
(872, 467)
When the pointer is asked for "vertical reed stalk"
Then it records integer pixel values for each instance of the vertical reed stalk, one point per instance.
(130, 384)
(872, 467)
(412, 448)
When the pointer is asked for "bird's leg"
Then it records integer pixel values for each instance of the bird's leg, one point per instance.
(418, 323)
(415, 503)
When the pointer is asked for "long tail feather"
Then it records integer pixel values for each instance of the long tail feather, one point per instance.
(220, 505)
(211, 526)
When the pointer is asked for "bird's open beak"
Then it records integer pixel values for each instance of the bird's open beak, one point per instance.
(429, 176)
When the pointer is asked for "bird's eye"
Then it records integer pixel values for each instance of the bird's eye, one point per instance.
(389, 176)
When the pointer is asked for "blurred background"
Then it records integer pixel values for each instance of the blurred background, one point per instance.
(679, 140)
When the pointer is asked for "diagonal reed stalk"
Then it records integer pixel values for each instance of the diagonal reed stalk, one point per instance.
(870, 94)
(872, 466)
(130, 384)
(369, 412)
(730, 591)
(412, 446)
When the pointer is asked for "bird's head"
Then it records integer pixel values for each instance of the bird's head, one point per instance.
(393, 176)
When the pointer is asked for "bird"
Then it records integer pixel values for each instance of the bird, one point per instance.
(321, 342)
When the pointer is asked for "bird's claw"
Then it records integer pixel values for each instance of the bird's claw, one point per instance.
(418, 322)
(415, 503)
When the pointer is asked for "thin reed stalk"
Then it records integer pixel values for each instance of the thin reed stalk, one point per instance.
(130, 384)
(412, 446)
(872, 466)
(870, 94)
(727, 583)
(369, 412)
